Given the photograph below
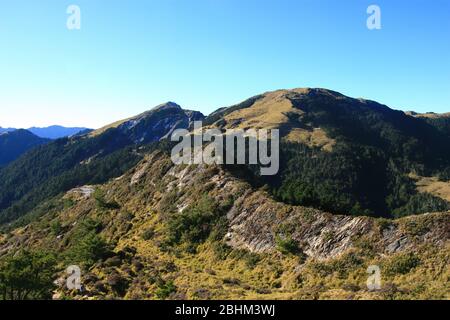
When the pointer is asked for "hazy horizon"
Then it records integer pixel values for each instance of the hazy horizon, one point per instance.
(56, 123)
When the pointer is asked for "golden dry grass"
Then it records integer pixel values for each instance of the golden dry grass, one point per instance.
(315, 138)
(207, 274)
(271, 112)
(109, 126)
(268, 112)
(430, 115)
(433, 186)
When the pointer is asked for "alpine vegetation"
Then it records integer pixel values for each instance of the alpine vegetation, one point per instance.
(251, 146)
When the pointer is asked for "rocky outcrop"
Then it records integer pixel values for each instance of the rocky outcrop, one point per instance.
(159, 122)
(256, 220)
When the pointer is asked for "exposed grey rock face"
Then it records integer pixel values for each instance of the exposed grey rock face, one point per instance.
(83, 192)
(159, 122)
(255, 220)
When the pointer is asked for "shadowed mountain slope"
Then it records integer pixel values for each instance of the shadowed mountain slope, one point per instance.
(343, 154)
(15, 143)
(91, 158)
(162, 231)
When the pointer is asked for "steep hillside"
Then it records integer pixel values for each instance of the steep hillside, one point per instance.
(171, 232)
(440, 121)
(338, 154)
(346, 155)
(15, 143)
(92, 158)
(154, 124)
(112, 202)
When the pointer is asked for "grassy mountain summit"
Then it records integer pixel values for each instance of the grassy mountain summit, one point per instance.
(298, 112)
(112, 202)
(346, 155)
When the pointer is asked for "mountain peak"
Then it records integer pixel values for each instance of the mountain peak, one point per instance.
(56, 131)
(310, 92)
(154, 124)
(167, 106)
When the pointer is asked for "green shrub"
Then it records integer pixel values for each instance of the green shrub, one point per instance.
(196, 223)
(221, 250)
(341, 266)
(168, 202)
(56, 227)
(401, 264)
(88, 250)
(68, 203)
(86, 245)
(347, 263)
(416, 228)
(148, 234)
(251, 260)
(286, 245)
(27, 275)
(101, 202)
(165, 290)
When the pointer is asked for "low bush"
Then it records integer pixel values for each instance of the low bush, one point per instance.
(196, 223)
(165, 289)
(286, 245)
(401, 263)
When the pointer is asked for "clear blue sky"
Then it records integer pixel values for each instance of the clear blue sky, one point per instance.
(205, 54)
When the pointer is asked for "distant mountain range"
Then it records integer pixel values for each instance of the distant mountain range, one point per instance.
(51, 132)
(2, 130)
(55, 132)
(15, 142)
